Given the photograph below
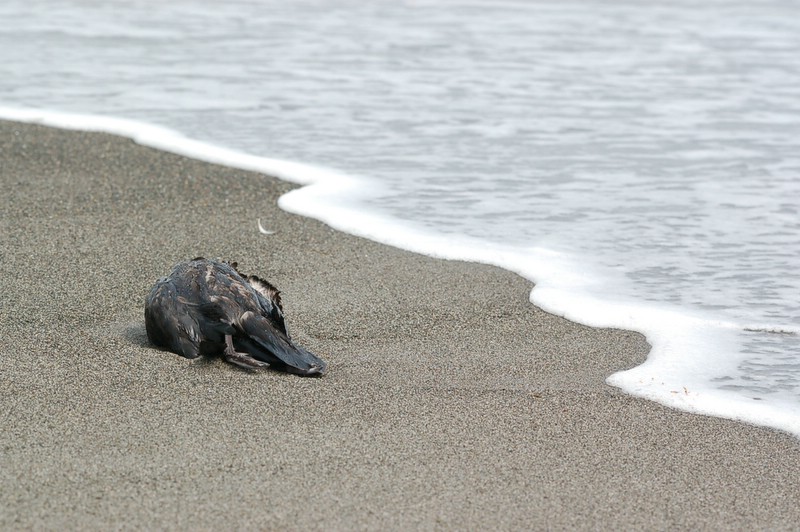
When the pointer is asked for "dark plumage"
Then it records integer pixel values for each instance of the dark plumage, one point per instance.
(206, 307)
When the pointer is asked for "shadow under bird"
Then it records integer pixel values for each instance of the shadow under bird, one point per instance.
(206, 307)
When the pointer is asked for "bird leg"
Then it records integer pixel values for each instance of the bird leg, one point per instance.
(240, 359)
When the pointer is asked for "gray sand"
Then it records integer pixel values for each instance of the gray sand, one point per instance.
(450, 402)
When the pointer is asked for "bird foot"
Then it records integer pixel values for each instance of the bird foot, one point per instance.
(242, 360)
(245, 361)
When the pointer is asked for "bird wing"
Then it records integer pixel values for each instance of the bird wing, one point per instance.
(269, 299)
(258, 338)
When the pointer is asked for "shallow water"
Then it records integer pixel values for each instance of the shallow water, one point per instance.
(639, 162)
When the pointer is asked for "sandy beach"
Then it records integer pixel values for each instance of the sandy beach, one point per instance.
(450, 402)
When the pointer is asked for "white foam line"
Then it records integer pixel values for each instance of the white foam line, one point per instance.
(174, 142)
(560, 287)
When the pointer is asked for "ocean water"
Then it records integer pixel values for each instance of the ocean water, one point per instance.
(639, 161)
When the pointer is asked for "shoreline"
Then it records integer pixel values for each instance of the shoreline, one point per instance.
(655, 380)
(450, 400)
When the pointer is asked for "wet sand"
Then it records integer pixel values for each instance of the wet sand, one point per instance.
(450, 402)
